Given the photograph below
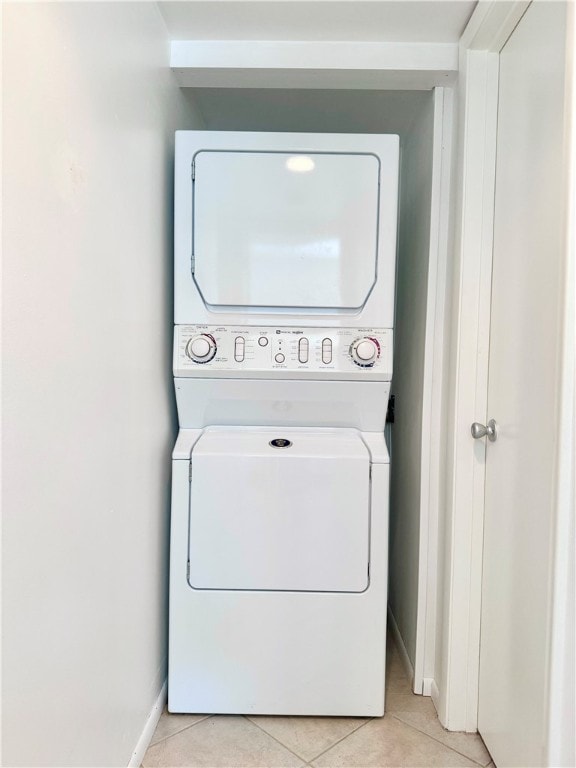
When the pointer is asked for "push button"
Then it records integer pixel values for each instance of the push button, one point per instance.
(279, 357)
(326, 351)
(263, 341)
(239, 348)
(303, 347)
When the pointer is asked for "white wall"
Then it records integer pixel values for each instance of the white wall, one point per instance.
(308, 110)
(562, 682)
(408, 380)
(89, 110)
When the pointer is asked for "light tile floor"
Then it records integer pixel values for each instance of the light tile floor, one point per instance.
(408, 736)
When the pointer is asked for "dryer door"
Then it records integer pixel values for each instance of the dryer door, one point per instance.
(280, 518)
(279, 230)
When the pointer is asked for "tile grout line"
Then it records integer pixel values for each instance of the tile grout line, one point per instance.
(186, 727)
(339, 741)
(319, 753)
(413, 727)
(247, 717)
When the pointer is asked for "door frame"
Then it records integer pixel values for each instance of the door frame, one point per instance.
(456, 695)
(455, 691)
(434, 354)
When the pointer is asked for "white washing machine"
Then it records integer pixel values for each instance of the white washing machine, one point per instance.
(285, 251)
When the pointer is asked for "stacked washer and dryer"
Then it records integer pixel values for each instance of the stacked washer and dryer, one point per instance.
(285, 249)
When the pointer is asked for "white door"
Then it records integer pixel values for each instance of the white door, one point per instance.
(300, 230)
(523, 390)
(285, 510)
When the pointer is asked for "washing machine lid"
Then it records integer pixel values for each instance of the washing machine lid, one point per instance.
(287, 516)
(285, 231)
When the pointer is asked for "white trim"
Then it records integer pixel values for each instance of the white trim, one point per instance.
(490, 27)
(149, 728)
(434, 694)
(406, 663)
(466, 498)
(434, 346)
(317, 64)
(427, 686)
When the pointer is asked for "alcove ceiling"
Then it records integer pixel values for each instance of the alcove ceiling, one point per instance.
(221, 55)
(394, 21)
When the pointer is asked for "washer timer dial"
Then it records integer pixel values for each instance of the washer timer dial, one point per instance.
(201, 348)
(365, 351)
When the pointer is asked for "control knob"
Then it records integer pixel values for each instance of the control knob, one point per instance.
(201, 348)
(365, 351)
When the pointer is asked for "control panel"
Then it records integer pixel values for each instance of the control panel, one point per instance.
(283, 352)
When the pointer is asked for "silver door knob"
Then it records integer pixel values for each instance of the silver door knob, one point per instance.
(479, 430)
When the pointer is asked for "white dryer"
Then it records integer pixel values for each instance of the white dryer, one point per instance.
(285, 259)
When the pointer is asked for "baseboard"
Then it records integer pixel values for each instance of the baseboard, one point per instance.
(406, 663)
(427, 684)
(149, 728)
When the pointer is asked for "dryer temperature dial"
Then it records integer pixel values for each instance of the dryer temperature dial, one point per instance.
(201, 348)
(365, 351)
